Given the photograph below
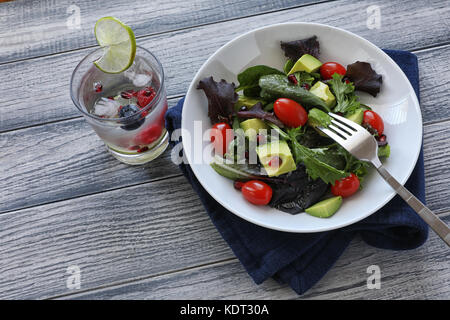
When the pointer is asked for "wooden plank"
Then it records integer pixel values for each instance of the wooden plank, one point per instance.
(140, 232)
(434, 83)
(437, 173)
(110, 244)
(421, 273)
(146, 229)
(136, 231)
(44, 82)
(66, 160)
(35, 28)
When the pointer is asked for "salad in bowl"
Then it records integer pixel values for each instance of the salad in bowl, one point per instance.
(264, 129)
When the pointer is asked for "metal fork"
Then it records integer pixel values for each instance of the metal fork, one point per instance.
(362, 145)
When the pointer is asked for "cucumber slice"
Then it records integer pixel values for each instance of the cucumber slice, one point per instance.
(325, 208)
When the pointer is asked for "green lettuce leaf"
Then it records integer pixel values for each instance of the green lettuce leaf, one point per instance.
(252, 92)
(358, 167)
(304, 77)
(248, 79)
(314, 166)
(330, 156)
(347, 101)
(275, 86)
(348, 106)
(288, 66)
(237, 171)
(318, 118)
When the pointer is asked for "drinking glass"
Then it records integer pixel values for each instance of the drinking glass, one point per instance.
(133, 139)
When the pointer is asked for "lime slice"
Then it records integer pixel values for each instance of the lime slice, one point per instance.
(117, 40)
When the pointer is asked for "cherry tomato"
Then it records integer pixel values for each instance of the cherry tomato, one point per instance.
(329, 68)
(374, 120)
(346, 186)
(221, 135)
(290, 112)
(257, 192)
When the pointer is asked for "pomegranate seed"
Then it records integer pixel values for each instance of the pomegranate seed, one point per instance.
(111, 98)
(381, 140)
(143, 149)
(275, 162)
(134, 148)
(149, 91)
(306, 86)
(238, 185)
(127, 94)
(292, 79)
(145, 96)
(98, 87)
(246, 155)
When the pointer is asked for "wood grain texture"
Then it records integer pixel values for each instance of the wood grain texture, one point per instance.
(122, 234)
(437, 190)
(422, 273)
(100, 232)
(44, 82)
(141, 232)
(42, 27)
(66, 160)
(160, 228)
(434, 77)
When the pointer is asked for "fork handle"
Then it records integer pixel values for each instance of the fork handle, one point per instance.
(426, 214)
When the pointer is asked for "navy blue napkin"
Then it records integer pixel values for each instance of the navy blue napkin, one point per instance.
(300, 260)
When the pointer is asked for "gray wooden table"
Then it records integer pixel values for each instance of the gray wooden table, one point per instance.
(140, 232)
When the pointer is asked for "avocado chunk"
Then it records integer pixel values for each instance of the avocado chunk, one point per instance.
(246, 101)
(325, 208)
(321, 90)
(252, 126)
(356, 116)
(306, 63)
(276, 157)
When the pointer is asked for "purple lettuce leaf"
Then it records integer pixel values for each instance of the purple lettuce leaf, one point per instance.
(297, 191)
(364, 77)
(295, 49)
(221, 99)
(257, 112)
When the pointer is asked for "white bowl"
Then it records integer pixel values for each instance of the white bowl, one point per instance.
(396, 103)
